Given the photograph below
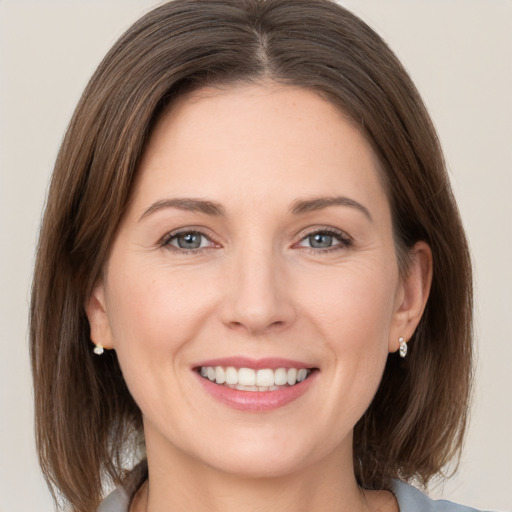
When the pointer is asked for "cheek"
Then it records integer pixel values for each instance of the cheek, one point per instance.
(155, 309)
(352, 303)
(354, 312)
(154, 313)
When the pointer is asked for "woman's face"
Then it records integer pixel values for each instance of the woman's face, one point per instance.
(257, 249)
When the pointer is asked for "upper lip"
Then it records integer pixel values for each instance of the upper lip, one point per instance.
(256, 364)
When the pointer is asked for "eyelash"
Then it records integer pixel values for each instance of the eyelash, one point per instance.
(344, 240)
(167, 239)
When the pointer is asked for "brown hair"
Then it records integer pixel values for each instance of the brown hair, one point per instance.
(86, 421)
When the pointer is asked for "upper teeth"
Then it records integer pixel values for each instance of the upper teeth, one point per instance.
(263, 378)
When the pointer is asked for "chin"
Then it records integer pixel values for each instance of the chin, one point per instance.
(263, 454)
(258, 466)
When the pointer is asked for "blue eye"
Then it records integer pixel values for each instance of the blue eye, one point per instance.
(325, 240)
(188, 241)
(320, 241)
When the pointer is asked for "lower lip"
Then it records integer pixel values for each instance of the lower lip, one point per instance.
(257, 401)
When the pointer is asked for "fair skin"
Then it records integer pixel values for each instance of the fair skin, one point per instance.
(225, 253)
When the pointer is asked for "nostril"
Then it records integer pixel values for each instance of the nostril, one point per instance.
(256, 328)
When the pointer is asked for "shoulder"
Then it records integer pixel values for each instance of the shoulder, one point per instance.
(411, 499)
(116, 501)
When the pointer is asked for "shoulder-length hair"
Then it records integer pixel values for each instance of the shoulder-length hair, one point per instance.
(86, 420)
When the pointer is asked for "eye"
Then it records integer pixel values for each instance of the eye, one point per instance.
(325, 239)
(188, 241)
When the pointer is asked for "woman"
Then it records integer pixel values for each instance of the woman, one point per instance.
(249, 223)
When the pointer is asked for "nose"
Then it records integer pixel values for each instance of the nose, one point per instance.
(258, 293)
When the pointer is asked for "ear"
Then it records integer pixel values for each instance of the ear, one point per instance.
(413, 294)
(96, 311)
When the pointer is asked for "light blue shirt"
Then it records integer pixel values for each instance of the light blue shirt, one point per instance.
(411, 499)
(408, 497)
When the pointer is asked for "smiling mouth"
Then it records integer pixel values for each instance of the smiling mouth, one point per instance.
(248, 379)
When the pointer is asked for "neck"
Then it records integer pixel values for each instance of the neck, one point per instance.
(182, 483)
(230, 494)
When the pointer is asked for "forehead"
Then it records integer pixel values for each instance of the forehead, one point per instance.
(256, 141)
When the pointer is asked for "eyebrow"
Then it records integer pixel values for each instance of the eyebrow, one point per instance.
(298, 207)
(187, 204)
(309, 205)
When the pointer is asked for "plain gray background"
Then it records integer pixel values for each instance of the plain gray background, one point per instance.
(459, 53)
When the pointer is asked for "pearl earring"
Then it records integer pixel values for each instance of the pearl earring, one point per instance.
(403, 347)
(98, 349)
